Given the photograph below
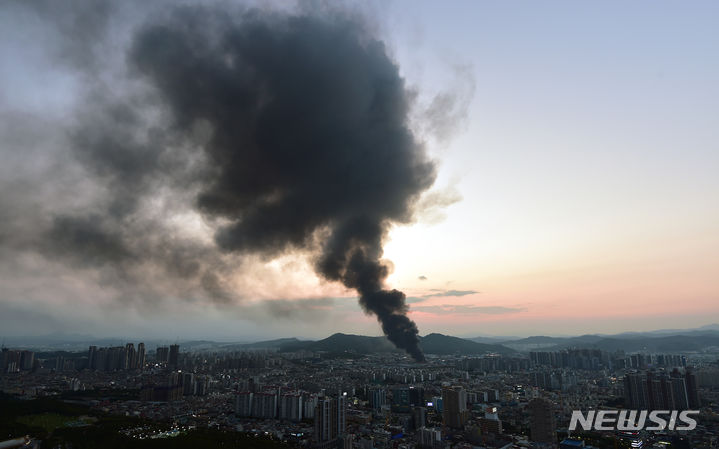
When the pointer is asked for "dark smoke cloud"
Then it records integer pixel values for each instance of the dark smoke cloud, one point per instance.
(309, 134)
(287, 132)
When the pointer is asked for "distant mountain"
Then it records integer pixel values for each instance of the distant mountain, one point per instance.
(267, 344)
(534, 343)
(360, 344)
(492, 340)
(444, 344)
(669, 343)
(660, 341)
(690, 341)
(664, 340)
(339, 342)
(430, 344)
(710, 329)
(538, 340)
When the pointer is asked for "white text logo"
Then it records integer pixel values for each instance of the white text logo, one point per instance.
(634, 420)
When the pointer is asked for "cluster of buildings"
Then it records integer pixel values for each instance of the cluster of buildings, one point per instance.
(269, 404)
(385, 401)
(116, 358)
(178, 385)
(377, 416)
(169, 355)
(596, 359)
(562, 380)
(15, 361)
(659, 390)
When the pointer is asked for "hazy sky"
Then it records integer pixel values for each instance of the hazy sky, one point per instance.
(577, 179)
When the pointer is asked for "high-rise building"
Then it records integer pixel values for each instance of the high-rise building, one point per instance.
(174, 355)
(490, 396)
(130, 356)
(419, 417)
(27, 359)
(341, 414)
(4, 358)
(635, 391)
(656, 390)
(174, 379)
(59, 363)
(543, 428)
(377, 398)
(330, 419)
(254, 384)
(679, 393)
(264, 405)
(162, 354)
(692, 389)
(188, 384)
(416, 396)
(400, 397)
(116, 358)
(491, 423)
(202, 385)
(310, 403)
(323, 420)
(100, 360)
(454, 407)
(243, 404)
(140, 356)
(429, 438)
(291, 406)
(91, 357)
(10, 361)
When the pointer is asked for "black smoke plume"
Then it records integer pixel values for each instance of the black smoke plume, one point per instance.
(280, 132)
(309, 136)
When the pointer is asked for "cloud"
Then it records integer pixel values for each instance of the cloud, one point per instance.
(422, 278)
(450, 309)
(452, 293)
(440, 294)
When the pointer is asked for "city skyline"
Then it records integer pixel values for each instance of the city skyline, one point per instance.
(575, 190)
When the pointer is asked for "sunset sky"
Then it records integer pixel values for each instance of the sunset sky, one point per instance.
(577, 188)
(587, 166)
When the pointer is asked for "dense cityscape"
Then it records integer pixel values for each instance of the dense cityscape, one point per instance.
(356, 397)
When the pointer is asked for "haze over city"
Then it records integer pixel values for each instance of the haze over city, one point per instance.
(565, 159)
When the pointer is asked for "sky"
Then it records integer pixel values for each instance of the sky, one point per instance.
(575, 147)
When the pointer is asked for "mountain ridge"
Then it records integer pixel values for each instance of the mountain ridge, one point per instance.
(661, 340)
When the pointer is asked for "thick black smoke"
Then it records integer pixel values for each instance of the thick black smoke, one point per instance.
(207, 137)
(309, 137)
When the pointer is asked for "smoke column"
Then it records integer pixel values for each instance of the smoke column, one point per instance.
(287, 132)
(309, 137)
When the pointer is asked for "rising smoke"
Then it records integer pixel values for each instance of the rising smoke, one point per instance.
(309, 133)
(287, 132)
